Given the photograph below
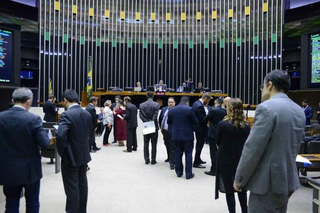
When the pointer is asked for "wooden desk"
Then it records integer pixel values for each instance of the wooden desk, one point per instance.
(141, 96)
(311, 157)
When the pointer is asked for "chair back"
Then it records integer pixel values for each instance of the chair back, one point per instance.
(313, 147)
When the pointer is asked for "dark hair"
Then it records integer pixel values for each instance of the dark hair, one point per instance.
(184, 99)
(150, 94)
(93, 99)
(305, 101)
(280, 80)
(118, 96)
(121, 102)
(172, 99)
(315, 128)
(52, 96)
(218, 101)
(71, 96)
(127, 98)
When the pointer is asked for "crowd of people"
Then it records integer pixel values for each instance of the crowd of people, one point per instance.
(260, 159)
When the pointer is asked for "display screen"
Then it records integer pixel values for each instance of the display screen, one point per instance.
(6, 56)
(315, 59)
(26, 75)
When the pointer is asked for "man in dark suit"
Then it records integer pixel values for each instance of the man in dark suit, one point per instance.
(21, 135)
(73, 147)
(216, 114)
(161, 87)
(189, 84)
(131, 125)
(308, 111)
(166, 131)
(201, 128)
(93, 102)
(181, 118)
(50, 110)
(114, 107)
(149, 112)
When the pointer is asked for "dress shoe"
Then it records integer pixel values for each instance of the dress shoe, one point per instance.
(114, 141)
(167, 160)
(96, 148)
(172, 167)
(93, 151)
(210, 173)
(202, 162)
(127, 151)
(147, 162)
(134, 150)
(179, 175)
(192, 176)
(199, 166)
(106, 145)
(153, 162)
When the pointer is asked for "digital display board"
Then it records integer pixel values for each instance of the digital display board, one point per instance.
(6, 56)
(315, 59)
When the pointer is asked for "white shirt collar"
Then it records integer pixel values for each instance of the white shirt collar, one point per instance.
(72, 106)
(19, 106)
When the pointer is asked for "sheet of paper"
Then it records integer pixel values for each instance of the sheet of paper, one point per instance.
(148, 128)
(301, 159)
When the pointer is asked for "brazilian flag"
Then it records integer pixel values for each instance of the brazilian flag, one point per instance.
(89, 79)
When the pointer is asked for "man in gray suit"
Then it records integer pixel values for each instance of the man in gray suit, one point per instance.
(267, 167)
(149, 112)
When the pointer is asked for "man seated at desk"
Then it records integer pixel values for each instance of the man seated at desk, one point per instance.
(182, 87)
(161, 87)
(200, 88)
(139, 88)
(315, 134)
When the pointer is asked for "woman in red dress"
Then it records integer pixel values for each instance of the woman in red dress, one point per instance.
(121, 131)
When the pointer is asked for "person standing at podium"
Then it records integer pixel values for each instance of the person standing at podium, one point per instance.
(21, 135)
(50, 110)
(73, 147)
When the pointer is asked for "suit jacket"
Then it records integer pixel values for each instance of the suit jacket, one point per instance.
(131, 116)
(198, 109)
(268, 160)
(157, 87)
(93, 114)
(181, 118)
(309, 114)
(216, 114)
(180, 89)
(50, 110)
(73, 136)
(149, 112)
(189, 85)
(162, 113)
(21, 135)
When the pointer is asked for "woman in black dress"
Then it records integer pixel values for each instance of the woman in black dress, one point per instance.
(232, 133)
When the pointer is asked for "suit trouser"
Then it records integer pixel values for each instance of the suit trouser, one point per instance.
(100, 128)
(76, 187)
(92, 139)
(13, 194)
(199, 146)
(106, 135)
(213, 154)
(180, 148)
(154, 139)
(132, 139)
(269, 202)
(169, 146)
